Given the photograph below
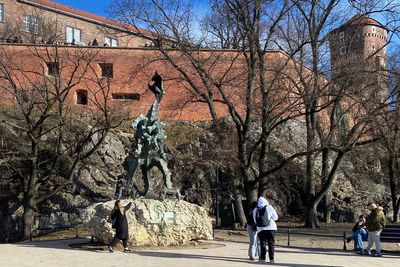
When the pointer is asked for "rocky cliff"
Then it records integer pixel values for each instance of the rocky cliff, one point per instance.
(198, 151)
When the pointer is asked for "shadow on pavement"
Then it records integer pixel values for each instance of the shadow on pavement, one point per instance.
(333, 252)
(216, 258)
(80, 243)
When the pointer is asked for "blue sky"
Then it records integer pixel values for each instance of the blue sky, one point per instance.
(99, 7)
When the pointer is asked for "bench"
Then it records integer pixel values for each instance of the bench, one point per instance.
(391, 233)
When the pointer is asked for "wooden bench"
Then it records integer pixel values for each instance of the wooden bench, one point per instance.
(391, 233)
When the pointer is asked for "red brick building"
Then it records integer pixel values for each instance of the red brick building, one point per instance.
(359, 43)
(43, 21)
(32, 32)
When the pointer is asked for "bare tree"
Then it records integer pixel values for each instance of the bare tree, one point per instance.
(55, 136)
(247, 81)
(388, 129)
(353, 99)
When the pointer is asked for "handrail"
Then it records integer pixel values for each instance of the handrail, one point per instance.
(75, 226)
(290, 231)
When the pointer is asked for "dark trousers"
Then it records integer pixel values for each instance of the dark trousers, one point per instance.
(267, 237)
(116, 240)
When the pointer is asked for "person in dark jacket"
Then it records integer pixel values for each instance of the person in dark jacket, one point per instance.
(119, 188)
(375, 222)
(360, 234)
(120, 223)
(252, 231)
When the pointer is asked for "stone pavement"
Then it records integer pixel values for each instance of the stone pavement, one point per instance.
(59, 254)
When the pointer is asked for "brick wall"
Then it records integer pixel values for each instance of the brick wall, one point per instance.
(90, 30)
(361, 42)
(134, 67)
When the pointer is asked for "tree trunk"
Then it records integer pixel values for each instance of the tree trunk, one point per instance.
(239, 211)
(311, 217)
(28, 215)
(251, 191)
(393, 187)
(327, 207)
(30, 192)
(326, 201)
(396, 211)
(310, 161)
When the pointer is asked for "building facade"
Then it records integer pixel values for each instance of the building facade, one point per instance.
(46, 22)
(32, 32)
(359, 43)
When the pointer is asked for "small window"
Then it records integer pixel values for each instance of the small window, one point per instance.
(341, 35)
(373, 47)
(73, 35)
(125, 96)
(81, 97)
(30, 24)
(1, 12)
(373, 29)
(108, 41)
(53, 68)
(106, 70)
(343, 51)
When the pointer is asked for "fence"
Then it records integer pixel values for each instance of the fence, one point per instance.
(53, 229)
(290, 232)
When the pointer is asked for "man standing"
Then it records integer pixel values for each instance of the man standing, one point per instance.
(265, 216)
(375, 223)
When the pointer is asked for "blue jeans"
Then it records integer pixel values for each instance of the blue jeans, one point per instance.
(253, 242)
(359, 236)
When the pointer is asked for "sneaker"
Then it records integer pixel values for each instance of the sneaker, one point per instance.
(261, 261)
(367, 252)
(376, 254)
(252, 258)
(127, 249)
(110, 249)
(272, 261)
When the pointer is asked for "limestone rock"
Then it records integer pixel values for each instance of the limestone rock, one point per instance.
(152, 222)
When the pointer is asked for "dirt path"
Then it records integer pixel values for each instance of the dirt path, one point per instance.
(59, 254)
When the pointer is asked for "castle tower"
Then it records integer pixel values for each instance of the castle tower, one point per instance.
(358, 47)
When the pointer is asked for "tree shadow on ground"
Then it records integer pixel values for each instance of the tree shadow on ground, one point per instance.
(216, 258)
(195, 254)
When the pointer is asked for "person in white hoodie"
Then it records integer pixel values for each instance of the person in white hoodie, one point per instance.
(265, 216)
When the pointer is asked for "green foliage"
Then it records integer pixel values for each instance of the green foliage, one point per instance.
(342, 121)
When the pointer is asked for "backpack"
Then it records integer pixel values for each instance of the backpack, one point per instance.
(262, 217)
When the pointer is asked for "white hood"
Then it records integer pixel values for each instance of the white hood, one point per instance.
(261, 202)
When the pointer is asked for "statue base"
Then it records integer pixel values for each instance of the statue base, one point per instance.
(152, 222)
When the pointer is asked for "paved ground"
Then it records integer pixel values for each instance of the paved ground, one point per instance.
(59, 254)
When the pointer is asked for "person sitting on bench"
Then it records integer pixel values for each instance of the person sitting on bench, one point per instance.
(360, 234)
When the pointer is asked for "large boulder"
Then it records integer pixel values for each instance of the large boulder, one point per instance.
(152, 222)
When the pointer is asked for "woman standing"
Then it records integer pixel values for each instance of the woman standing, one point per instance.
(120, 223)
(265, 216)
